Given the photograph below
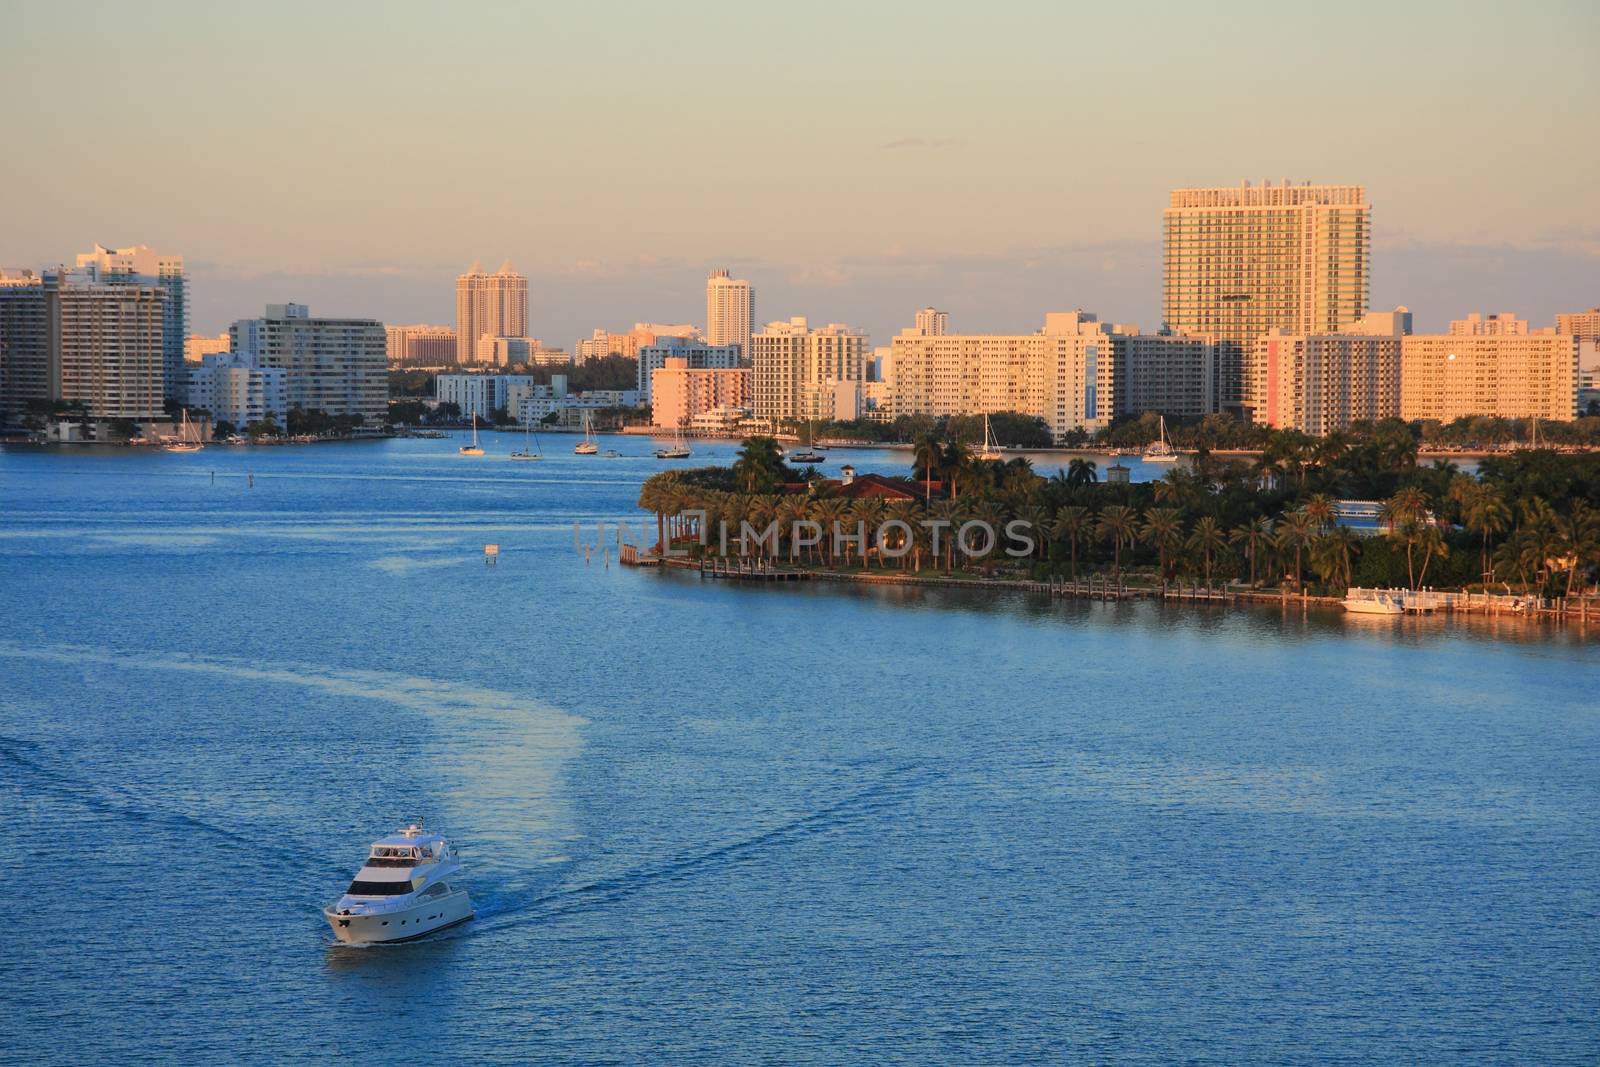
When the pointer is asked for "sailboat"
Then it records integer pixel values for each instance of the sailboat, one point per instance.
(991, 447)
(679, 449)
(472, 449)
(588, 446)
(1159, 451)
(529, 446)
(807, 453)
(188, 437)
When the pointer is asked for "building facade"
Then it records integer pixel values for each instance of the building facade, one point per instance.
(419, 345)
(1321, 383)
(336, 366)
(1511, 374)
(235, 389)
(1584, 325)
(602, 343)
(730, 311)
(25, 334)
(683, 393)
(1170, 374)
(495, 305)
(197, 346)
(110, 350)
(1065, 374)
(698, 355)
(141, 264)
(1241, 262)
(931, 322)
(796, 368)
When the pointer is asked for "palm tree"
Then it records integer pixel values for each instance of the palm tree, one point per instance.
(956, 457)
(1038, 522)
(829, 513)
(1331, 555)
(868, 512)
(905, 511)
(949, 513)
(1253, 535)
(1484, 512)
(1070, 524)
(992, 515)
(758, 464)
(1117, 524)
(1404, 514)
(1208, 539)
(1296, 530)
(1320, 507)
(928, 455)
(1579, 535)
(1163, 529)
(1081, 472)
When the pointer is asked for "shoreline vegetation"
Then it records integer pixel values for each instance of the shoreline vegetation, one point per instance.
(1521, 534)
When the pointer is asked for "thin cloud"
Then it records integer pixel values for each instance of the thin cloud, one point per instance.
(925, 142)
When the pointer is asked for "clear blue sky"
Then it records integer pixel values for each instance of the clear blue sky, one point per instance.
(854, 160)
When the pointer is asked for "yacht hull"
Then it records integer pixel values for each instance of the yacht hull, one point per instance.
(406, 923)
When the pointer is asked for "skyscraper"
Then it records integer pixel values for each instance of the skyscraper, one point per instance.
(799, 369)
(336, 366)
(730, 311)
(494, 305)
(931, 322)
(1242, 261)
(140, 264)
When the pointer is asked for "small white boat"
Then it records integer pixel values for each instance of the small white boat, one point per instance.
(991, 448)
(1160, 451)
(1379, 604)
(588, 446)
(679, 449)
(472, 449)
(409, 887)
(188, 437)
(530, 449)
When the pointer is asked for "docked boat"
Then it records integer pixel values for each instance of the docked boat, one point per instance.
(808, 450)
(679, 449)
(409, 887)
(472, 449)
(991, 447)
(1376, 604)
(588, 446)
(530, 447)
(188, 437)
(1161, 450)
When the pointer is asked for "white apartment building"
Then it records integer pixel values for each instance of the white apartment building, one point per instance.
(797, 369)
(932, 322)
(700, 355)
(1169, 374)
(730, 311)
(110, 351)
(1065, 374)
(1321, 383)
(1511, 373)
(234, 389)
(336, 366)
(142, 264)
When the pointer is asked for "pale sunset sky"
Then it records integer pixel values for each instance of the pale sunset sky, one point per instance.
(855, 161)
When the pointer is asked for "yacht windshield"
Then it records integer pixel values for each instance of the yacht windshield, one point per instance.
(359, 888)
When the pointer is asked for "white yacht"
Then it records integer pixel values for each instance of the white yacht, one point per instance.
(188, 439)
(472, 449)
(1375, 604)
(588, 446)
(409, 887)
(1160, 450)
(991, 445)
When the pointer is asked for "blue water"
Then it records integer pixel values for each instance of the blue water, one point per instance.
(713, 824)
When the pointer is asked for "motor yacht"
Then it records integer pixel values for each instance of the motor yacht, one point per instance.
(409, 887)
(1375, 604)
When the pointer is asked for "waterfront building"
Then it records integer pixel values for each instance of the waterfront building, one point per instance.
(419, 345)
(1167, 373)
(699, 355)
(1241, 262)
(489, 304)
(1065, 374)
(197, 346)
(1511, 373)
(484, 394)
(797, 368)
(570, 406)
(236, 389)
(1584, 325)
(602, 343)
(25, 332)
(931, 322)
(681, 392)
(730, 311)
(511, 351)
(336, 366)
(1320, 383)
(140, 264)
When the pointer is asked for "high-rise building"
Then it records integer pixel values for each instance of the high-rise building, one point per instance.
(71, 336)
(730, 311)
(495, 305)
(336, 366)
(1511, 374)
(1584, 325)
(798, 370)
(1321, 383)
(1065, 374)
(1241, 262)
(1167, 373)
(931, 322)
(236, 389)
(1479, 325)
(682, 392)
(420, 345)
(697, 355)
(140, 264)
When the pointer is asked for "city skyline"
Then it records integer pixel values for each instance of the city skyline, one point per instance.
(916, 214)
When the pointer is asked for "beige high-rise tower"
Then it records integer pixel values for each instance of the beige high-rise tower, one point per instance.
(489, 305)
(730, 311)
(1240, 262)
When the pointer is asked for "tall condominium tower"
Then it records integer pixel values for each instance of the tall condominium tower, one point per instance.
(730, 311)
(1240, 262)
(336, 366)
(140, 264)
(804, 372)
(492, 305)
(931, 322)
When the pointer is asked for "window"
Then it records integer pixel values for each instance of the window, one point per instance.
(358, 888)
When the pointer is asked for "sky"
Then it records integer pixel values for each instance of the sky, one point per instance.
(855, 161)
